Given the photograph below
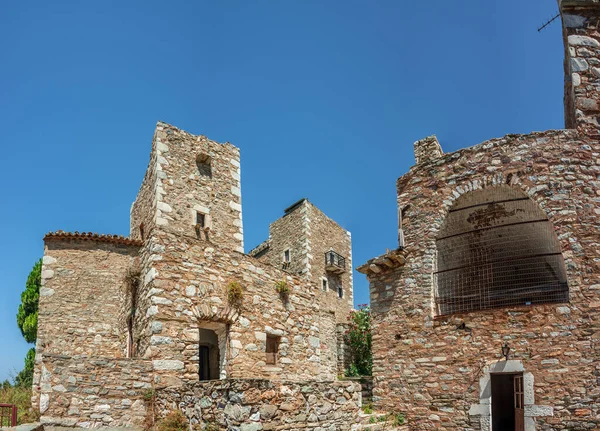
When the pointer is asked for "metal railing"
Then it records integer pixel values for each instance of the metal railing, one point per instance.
(8, 415)
(334, 260)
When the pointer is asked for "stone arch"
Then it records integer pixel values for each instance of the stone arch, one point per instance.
(495, 248)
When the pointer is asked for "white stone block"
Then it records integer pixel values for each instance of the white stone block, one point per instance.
(48, 260)
(166, 364)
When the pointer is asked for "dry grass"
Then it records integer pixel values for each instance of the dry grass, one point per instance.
(21, 397)
(174, 421)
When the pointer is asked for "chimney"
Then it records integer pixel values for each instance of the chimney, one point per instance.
(427, 150)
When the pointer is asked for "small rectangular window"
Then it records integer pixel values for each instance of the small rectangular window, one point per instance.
(324, 284)
(287, 257)
(271, 349)
(200, 220)
(340, 291)
(142, 231)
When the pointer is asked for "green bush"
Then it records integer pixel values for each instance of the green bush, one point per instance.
(367, 408)
(358, 340)
(397, 419)
(282, 288)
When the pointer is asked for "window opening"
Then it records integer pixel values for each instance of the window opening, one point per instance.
(340, 291)
(271, 349)
(203, 163)
(324, 284)
(142, 231)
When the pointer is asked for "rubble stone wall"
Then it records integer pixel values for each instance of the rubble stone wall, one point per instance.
(250, 405)
(289, 232)
(183, 188)
(429, 367)
(190, 279)
(581, 19)
(308, 233)
(325, 235)
(93, 391)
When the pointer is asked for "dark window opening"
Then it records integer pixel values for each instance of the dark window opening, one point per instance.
(497, 249)
(324, 284)
(208, 355)
(142, 231)
(203, 164)
(340, 291)
(200, 220)
(287, 257)
(130, 345)
(272, 348)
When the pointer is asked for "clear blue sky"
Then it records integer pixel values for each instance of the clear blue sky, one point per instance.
(324, 98)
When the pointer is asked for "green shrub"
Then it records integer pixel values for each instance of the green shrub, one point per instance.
(368, 408)
(358, 340)
(174, 421)
(282, 288)
(235, 294)
(21, 397)
(397, 419)
(372, 420)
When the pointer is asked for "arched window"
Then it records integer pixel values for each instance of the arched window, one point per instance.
(495, 249)
(203, 164)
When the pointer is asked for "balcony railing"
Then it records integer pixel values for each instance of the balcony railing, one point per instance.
(334, 262)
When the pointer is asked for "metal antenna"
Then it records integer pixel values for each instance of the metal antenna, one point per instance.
(548, 22)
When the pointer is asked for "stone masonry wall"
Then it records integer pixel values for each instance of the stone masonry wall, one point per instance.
(309, 233)
(430, 367)
(581, 19)
(96, 391)
(289, 232)
(251, 405)
(80, 305)
(183, 188)
(189, 279)
(326, 234)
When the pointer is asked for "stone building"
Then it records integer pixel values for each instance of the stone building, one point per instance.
(499, 247)
(128, 325)
(308, 243)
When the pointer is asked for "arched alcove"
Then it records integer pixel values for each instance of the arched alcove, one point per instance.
(496, 248)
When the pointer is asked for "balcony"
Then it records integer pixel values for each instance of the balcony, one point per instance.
(334, 262)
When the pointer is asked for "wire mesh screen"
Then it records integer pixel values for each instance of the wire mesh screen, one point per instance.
(497, 249)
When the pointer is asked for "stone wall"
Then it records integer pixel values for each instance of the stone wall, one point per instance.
(325, 235)
(308, 233)
(195, 174)
(189, 280)
(82, 296)
(251, 405)
(95, 391)
(581, 19)
(430, 366)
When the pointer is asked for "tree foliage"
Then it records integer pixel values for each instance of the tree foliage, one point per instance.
(27, 316)
(25, 376)
(358, 340)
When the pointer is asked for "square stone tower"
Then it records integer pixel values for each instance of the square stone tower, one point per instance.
(191, 187)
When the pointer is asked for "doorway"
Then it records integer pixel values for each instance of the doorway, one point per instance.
(507, 402)
(208, 355)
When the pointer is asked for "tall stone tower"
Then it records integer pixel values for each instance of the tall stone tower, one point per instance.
(192, 187)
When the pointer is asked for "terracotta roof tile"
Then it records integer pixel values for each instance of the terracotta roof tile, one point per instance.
(115, 239)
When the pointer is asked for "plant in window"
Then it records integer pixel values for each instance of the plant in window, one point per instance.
(282, 288)
(235, 294)
(358, 340)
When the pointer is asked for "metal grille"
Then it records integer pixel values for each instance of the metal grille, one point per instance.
(497, 249)
(8, 415)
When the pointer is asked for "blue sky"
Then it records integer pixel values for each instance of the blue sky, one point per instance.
(324, 98)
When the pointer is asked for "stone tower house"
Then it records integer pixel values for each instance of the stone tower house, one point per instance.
(178, 303)
(308, 243)
(487, 315)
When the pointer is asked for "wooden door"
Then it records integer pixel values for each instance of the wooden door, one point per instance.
(519, 398)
